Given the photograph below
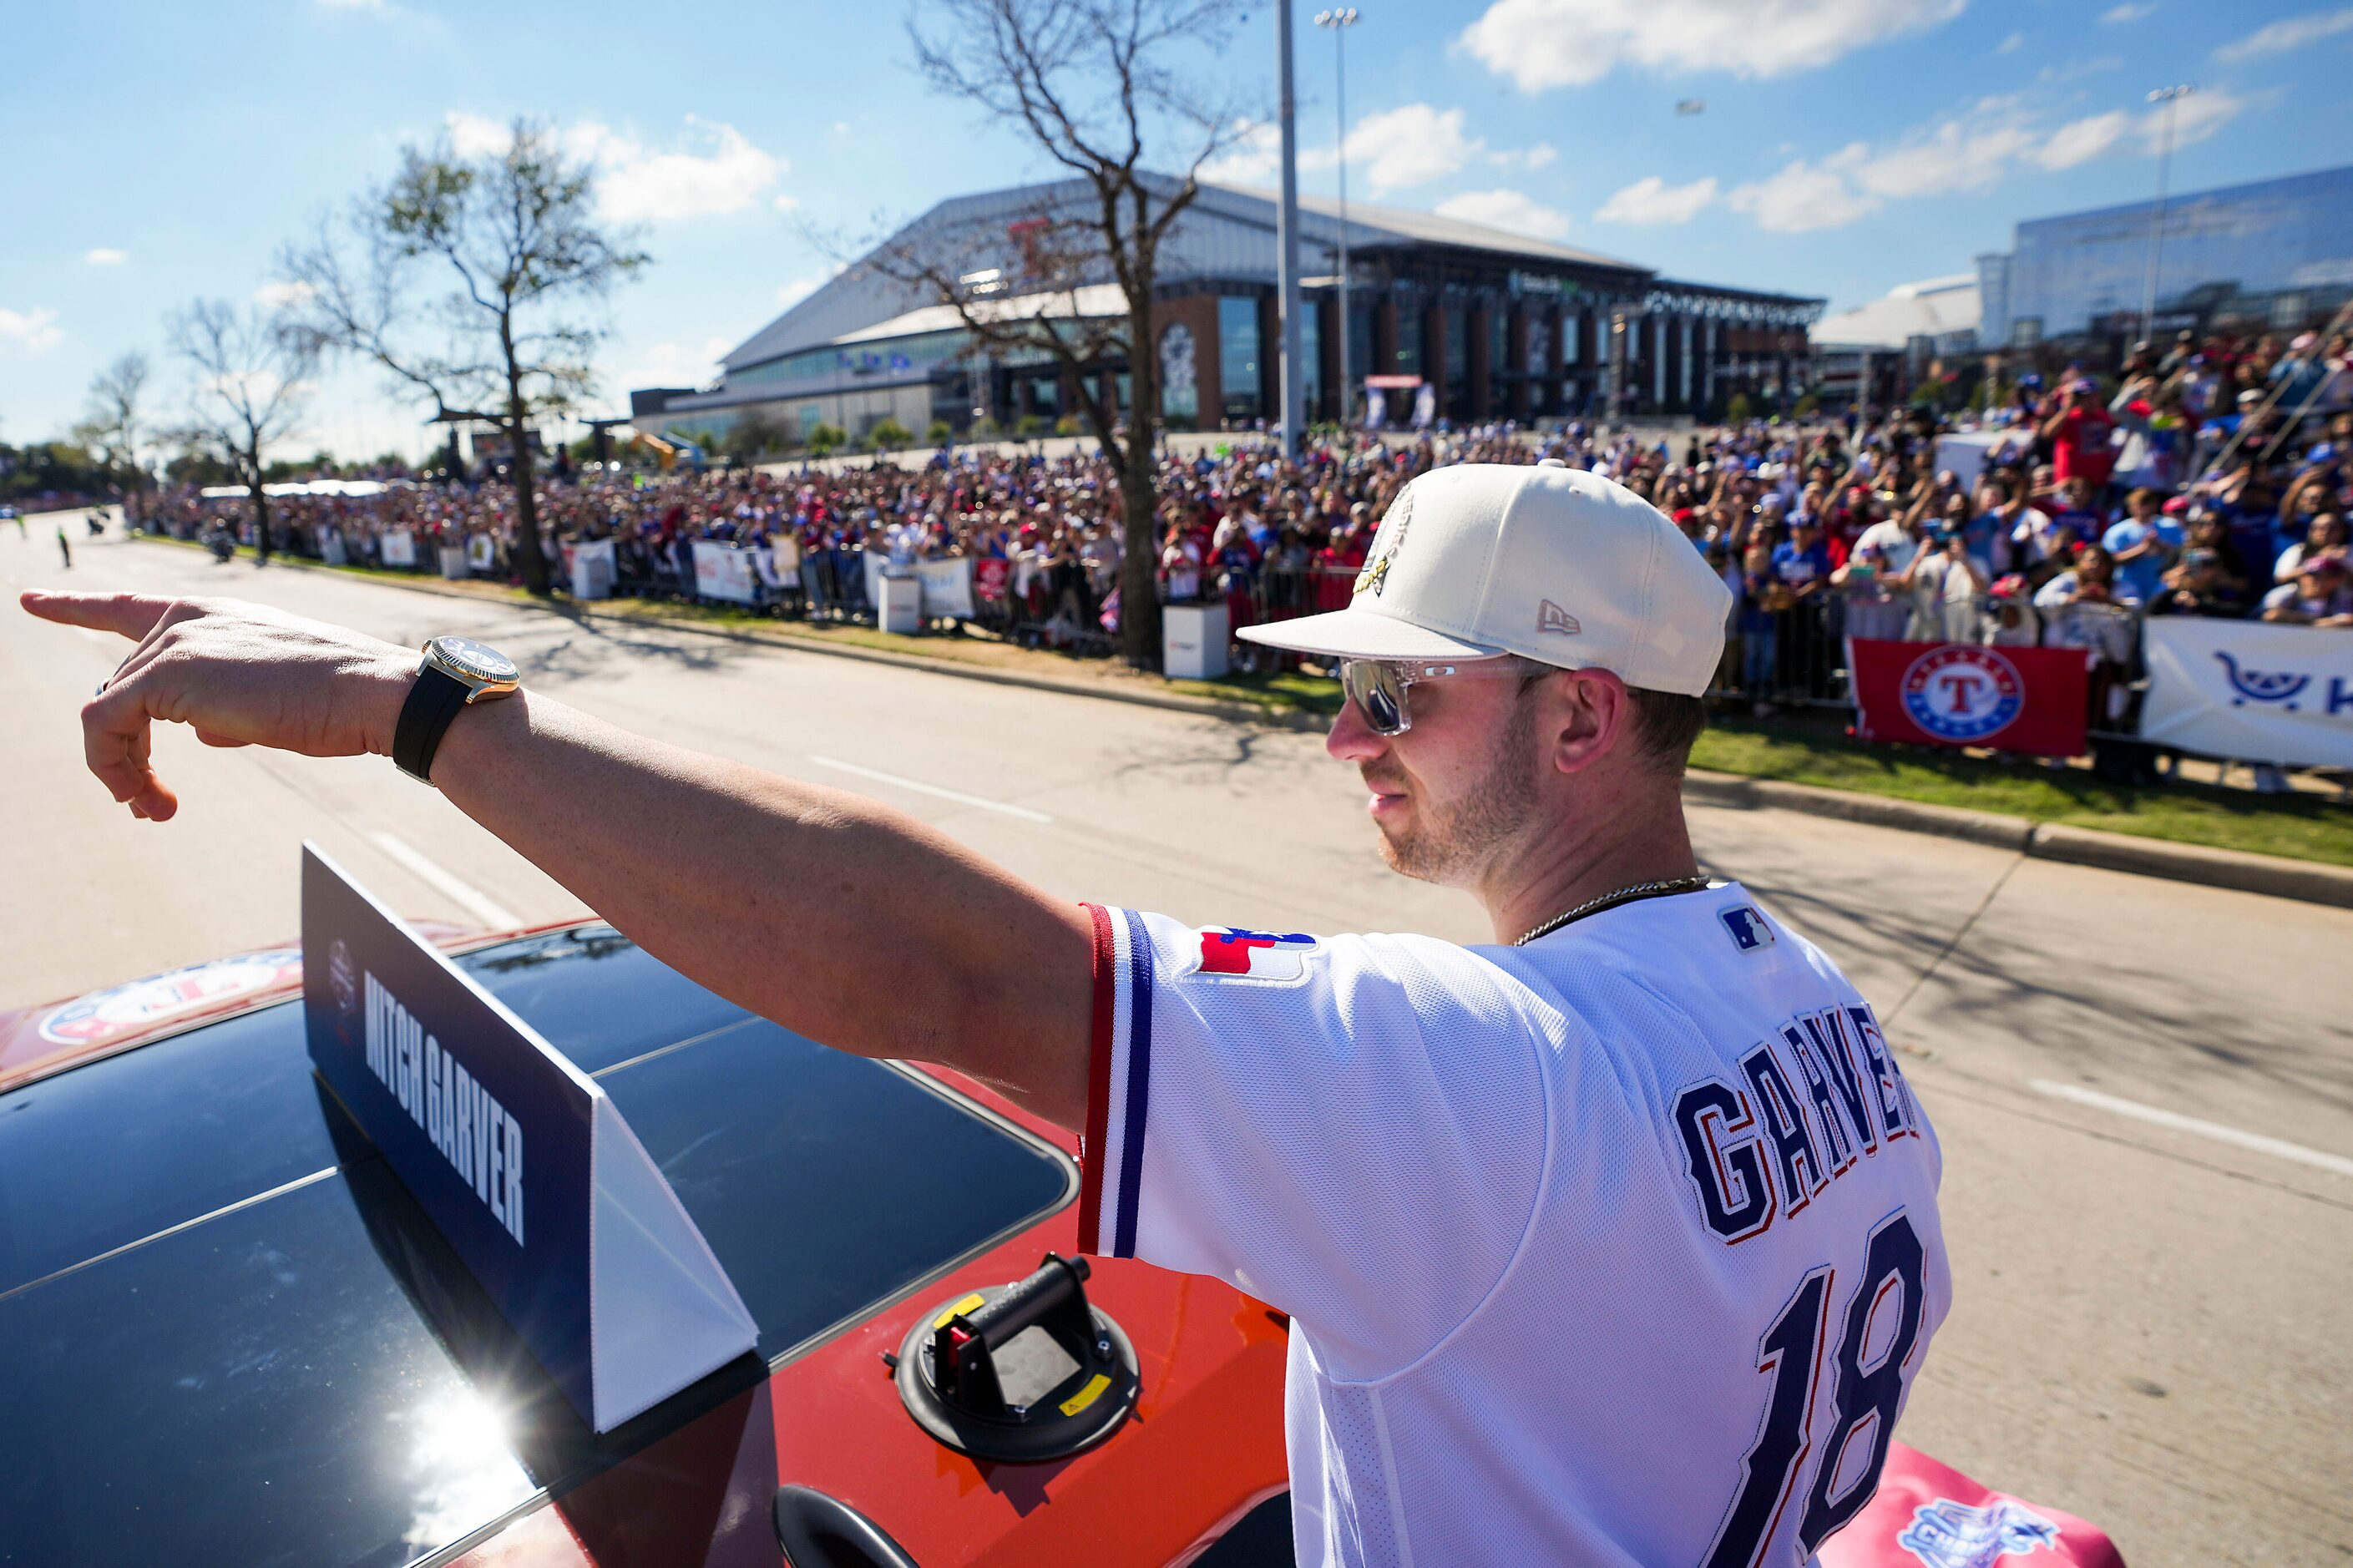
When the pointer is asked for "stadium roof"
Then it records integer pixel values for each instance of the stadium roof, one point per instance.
(1936, 307)
(1370, 224)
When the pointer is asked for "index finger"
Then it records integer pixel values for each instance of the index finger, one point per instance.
(132, 615)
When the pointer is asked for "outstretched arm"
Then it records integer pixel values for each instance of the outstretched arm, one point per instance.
(868, 932)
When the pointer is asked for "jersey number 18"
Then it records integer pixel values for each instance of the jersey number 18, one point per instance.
(1791, 1352)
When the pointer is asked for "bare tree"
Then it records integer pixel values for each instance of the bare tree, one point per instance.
(1098, 86)
(252, 374)
(473, 283)
(117, 418)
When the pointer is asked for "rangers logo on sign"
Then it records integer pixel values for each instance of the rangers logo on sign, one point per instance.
(1963, 694)
(124, 1010)
(1949, 1534)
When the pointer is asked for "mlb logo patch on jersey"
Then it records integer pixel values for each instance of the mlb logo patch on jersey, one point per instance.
(1229, 953)
(1747, 926)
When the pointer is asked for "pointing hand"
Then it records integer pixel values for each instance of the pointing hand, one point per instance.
(237, 673)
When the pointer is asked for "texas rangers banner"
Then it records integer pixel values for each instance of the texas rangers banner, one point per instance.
(1929, 1515)
(1959, 694)
(518, 1159)
(2255, 691)
(723, 572)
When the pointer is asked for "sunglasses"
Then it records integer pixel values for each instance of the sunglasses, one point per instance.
(1378, 686)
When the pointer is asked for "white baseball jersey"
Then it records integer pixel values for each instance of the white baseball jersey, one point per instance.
(1618, 1248)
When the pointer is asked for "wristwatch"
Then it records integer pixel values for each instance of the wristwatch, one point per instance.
(454, 672)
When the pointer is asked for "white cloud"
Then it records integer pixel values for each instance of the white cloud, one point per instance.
(719, 171)
(2195, 118)
(1253, 157)
(2080, 141)
(1541, 44)
(1507, 209)
(785, 201)
(105, 255)
(1801, 198)
(279, 296)
(476, 135)
(2010, 45)
(1969, 153)
(668, 364)
(1654, 201)
(351, 5)
(2293, 33)
(2118, 15)
(808, 283)
(1411, 144)
(31, 330)
(637, 183)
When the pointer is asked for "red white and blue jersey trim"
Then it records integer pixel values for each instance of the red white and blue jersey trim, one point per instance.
(1119, 1084)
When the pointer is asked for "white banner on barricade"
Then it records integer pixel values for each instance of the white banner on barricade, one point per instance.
(479, 553)
(331, 548)
(723, 572)
(947, 587)
(2254, 690)
(398, 548)
(590, 567)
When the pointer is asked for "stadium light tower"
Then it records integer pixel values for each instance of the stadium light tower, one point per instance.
(1340, 20)
(2167, 95)
(1287, 237)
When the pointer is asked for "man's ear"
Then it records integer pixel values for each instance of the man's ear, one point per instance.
(1585, 716)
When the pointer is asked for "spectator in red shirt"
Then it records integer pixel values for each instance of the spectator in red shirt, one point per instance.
(2080, 434)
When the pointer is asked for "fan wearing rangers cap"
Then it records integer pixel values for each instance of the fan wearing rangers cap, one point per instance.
(1613, 1242)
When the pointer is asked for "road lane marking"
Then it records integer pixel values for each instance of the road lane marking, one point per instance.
(2278, 1148)
(1023, 812)
(481, 905)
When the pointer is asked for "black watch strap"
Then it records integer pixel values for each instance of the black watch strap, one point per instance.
(433, 701)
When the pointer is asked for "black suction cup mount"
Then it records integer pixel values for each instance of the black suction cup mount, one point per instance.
(976, 1377)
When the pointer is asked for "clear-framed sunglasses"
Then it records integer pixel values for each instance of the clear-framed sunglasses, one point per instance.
(1378, 686)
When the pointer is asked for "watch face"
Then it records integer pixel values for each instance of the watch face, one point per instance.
(479, 661)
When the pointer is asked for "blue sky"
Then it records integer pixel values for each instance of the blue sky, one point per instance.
(158, 153)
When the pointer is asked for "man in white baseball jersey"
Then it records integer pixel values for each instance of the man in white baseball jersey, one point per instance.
(1613, 1243)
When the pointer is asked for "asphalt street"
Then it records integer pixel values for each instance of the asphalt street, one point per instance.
(2144, 1090)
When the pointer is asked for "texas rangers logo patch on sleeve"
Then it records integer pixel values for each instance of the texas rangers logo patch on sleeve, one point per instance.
(1229, 953)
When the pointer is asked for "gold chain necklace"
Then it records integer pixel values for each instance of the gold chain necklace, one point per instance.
(1639, 891)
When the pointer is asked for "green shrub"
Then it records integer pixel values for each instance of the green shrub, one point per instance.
(890, 435)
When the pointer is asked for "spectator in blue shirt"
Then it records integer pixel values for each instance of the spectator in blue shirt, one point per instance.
(2143, 544)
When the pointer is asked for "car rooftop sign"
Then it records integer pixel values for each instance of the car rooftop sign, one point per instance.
(521, 1160)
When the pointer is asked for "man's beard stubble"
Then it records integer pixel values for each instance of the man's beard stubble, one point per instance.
(1455, 848)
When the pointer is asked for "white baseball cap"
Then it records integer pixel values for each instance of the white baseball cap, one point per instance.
(1548, 561)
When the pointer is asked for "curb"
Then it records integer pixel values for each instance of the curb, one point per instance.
(1742, 793)
(2271, 875)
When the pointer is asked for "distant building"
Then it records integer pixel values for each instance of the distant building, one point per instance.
(1497, 324)
(2276, 254)
(1877, 352)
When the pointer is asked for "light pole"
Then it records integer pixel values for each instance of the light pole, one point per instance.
(1340, 21)
(1287, 239)
(2166, 96)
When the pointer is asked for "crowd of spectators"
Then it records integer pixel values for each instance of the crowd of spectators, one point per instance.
(2211, 479)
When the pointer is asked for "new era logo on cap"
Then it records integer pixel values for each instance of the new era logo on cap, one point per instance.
(1551, 617)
